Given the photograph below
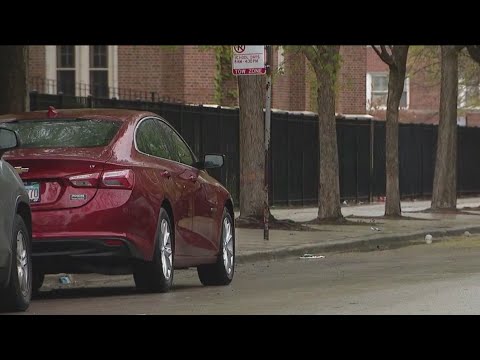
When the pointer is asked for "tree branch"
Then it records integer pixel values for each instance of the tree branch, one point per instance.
(474, 51)
(377, 51)
(310, 53)
(384, 55)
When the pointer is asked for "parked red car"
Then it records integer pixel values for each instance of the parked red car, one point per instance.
(118, 192)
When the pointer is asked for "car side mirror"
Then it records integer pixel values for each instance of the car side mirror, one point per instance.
(211, 161)
(8, 140)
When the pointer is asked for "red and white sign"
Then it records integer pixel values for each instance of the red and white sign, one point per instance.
(248, 60)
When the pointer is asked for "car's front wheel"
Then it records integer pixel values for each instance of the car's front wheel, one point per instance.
(17, 296)
(157, 275)
(221, 273)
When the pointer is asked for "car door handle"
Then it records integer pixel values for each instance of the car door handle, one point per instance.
(192, 178)
(165, 174)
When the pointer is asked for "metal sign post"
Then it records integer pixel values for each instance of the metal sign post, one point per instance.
(268, 114)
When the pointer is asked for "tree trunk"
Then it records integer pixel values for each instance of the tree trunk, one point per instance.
(329, 187)
(445, 179)
(252, 147)
(13, 79)
(395, 90)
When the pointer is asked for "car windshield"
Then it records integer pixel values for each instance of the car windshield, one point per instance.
(56, 133)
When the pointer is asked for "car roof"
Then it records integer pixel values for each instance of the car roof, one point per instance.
(124, 115)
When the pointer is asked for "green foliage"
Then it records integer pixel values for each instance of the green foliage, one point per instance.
(223, 74)
(312, 83)
(426, 59)
(322, 58)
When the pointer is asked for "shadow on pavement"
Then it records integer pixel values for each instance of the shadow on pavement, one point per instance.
(105, 291)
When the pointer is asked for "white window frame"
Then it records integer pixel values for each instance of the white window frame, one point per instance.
(462, 92)
(82, 69)
(369, 75)
(281, 60)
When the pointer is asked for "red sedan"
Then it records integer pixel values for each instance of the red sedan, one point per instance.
(120, 192)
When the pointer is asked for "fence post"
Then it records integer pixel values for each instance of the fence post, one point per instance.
(422, 192)
(34, 100)
(356, 164)
(288, 158)
(60, 100)
(90, 101)
(372, 139)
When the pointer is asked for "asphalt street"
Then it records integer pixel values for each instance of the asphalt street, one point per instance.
(441, 278)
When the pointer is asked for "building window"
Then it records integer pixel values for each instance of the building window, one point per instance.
(82, 70)
(468, 94)
(66, 69)
(377, 91)
(99, 71)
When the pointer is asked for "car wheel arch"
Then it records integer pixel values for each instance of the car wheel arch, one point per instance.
(229, 206)
(24, 211)
(167, 205)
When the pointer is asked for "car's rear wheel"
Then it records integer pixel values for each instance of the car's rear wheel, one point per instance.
(17, 296)
(157, 275)
(221, 273)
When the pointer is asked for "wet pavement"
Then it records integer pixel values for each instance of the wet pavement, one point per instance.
(441, 278)
(311, 286)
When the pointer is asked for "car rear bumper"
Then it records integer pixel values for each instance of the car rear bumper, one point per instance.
(103, 255)
(109, 215)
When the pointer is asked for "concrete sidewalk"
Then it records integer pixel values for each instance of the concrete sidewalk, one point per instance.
(362, 234)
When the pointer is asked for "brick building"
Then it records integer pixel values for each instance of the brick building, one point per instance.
(187, 74)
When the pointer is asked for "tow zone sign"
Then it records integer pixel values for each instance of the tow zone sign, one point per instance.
(248, 60)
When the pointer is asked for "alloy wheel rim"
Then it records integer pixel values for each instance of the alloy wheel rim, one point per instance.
(228, 253)
(166, 249)
(22, 263)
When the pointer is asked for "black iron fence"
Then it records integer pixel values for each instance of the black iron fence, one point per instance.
(295, 149)
(100, 91)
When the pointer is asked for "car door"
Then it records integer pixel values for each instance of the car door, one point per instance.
(206, 212)
(154, 143)
(203, 243)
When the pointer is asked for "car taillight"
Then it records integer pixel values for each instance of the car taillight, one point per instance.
(119, 179)
(85, 180)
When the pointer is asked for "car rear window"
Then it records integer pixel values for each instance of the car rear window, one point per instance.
(64, 132)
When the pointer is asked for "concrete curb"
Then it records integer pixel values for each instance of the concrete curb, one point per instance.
(365, 244)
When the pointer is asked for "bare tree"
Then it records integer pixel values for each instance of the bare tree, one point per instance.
(13, 79)
(325, 61)
(395, 56)
(474, 51)
(251, 90)
(445, 178)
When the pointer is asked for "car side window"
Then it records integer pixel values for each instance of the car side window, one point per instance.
(151, 139)
(180, 151)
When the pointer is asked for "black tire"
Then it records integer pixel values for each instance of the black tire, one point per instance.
(149, 276)
(217, 274)
(13, 298)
